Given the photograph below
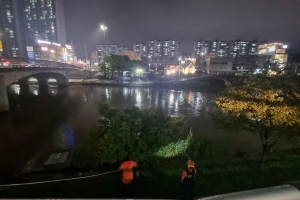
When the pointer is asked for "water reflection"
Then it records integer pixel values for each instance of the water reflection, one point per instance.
(174, 103)
(52, 90)
(187, 103)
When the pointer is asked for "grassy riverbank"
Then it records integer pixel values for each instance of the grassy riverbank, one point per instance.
(216, 175)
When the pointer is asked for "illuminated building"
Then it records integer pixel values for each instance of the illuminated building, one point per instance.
(162, 61)
(11, 28)
(141, 49)
(276, 51)
(224, 49)
(170, 48)
(188, 67)
(51, 51)
(44, 20)
(154, 48)
(201, 48)
(23, 22)
(109, 49)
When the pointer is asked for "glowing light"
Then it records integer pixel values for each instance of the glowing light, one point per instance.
(35, 92)
(43, 42)
(68, 46)
(44, 48)
(284, 46)
(52, 51)
(103, 27)
(56, 44)
(271, 49)
(139, 70)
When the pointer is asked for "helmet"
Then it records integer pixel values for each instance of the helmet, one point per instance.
(190, 164)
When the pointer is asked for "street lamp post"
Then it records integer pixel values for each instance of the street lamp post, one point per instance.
(103, 28)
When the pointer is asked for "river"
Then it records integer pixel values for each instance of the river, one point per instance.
(48, 119)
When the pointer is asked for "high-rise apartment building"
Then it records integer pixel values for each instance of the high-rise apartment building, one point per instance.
(24, 22)
(109, 49)
(253, 47)
(239, 48)
(170, 48)
(11, 28)
(154, 48)
(140, 48)
(201, 48)
(44, 20)
(223, 49)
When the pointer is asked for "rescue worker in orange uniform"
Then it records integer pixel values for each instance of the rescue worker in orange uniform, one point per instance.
(188, 178)
(127, 176)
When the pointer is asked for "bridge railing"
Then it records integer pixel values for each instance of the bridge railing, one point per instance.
(11, 62)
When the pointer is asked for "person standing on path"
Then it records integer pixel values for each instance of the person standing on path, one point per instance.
(127, 176)
(188, 178)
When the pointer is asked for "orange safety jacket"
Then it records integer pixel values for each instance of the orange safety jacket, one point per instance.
(127, 168)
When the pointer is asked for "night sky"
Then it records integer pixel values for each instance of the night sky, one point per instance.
(131, 21)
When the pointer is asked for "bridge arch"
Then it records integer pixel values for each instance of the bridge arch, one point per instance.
(43, 78)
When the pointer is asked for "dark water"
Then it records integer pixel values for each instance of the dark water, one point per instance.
(47, 119)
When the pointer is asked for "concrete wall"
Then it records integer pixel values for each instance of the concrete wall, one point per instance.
(4, 105)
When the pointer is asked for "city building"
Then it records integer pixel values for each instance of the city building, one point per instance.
(24, 22)
(224, 49)
(44, 20)
(51, 51)
(11, 28)
(212, 65)
(201, 48)
(94, 58)
(238, 48)
(276, 51)
(154, 48)
(109, 49)
(160, 62)
(132, 55)
(253, 47)
(170, 48)
(140, 48)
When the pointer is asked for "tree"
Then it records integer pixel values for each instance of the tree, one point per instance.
(268, 107)
(291, 70)
(142, 134)
(103, 69)
(116, 63)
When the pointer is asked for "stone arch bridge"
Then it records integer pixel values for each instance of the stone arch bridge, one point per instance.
(42, 74)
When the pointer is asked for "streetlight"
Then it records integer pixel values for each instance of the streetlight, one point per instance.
(103, 28)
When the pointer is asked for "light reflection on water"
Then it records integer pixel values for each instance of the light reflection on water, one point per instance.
(187, 103)
(193, 105)
(174, 103)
